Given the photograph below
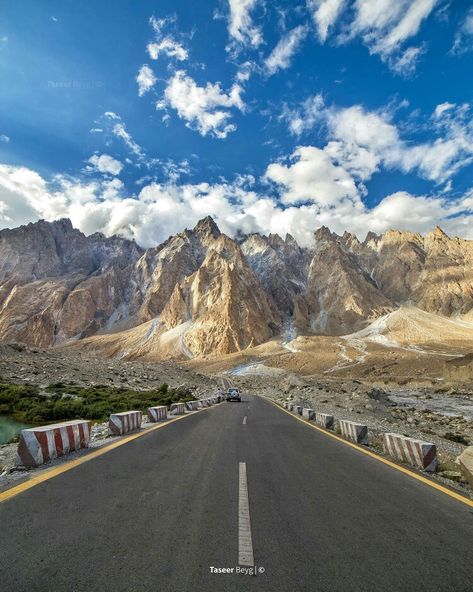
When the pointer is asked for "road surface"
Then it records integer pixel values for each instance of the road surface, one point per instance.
(239, 482)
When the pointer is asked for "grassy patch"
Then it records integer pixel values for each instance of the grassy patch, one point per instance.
(61, 401)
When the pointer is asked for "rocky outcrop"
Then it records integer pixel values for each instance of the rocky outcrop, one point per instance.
(434, 272)
(340, 296)
(459, 369)
(58, 284)
(280, 265)
(226, 305)
(465, 460)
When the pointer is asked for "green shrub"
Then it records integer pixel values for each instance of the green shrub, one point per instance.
(69, 401)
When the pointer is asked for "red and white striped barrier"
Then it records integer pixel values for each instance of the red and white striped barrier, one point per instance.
(415, 452)
(193, 405)
(157, 413)
(308, 413)
(38, 445)
(357, 432)
(178, 408)
(324, 420)
(122, 423)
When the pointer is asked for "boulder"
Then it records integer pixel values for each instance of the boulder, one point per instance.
(465, 460)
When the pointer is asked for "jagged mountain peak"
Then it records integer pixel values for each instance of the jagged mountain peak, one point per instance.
(207, 226)
(324, 233)
(437, 234)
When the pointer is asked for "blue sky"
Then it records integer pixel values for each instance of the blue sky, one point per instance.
(140, 118)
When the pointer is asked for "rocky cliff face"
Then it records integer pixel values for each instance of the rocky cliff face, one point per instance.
(340, 295)
(57, 284)
(218, 295)
(280, 265)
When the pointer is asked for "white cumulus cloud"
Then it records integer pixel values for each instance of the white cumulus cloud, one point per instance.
(163, 209)
(165, 44)
(385, 26)
(241, 28)
(364, 140)
(145, 79)
(311, 176)
(106, 164)
(169, 47)
(325, 13)
(206, 109)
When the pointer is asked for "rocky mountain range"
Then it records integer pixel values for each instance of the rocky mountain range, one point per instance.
(203, 293)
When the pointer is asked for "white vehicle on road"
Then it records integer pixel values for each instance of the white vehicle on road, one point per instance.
(233, 394)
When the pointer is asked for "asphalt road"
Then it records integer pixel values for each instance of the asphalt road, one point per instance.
(157, 513)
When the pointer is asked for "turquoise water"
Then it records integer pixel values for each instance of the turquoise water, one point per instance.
(9, 428)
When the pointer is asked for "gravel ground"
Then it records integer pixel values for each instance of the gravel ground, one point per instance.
(33, 365)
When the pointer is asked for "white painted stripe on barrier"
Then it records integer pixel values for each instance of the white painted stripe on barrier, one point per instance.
(416, 452)
(33, 447)
(357, 432)
(51, 444)
(178, 408)
(157, 413)
(325, 420)
(39, 445)
(124, 422)
(245, 542)
(308, 413)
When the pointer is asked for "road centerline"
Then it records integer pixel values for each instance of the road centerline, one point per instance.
(245, 543)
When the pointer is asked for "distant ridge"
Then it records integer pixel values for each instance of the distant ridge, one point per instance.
(202, 293)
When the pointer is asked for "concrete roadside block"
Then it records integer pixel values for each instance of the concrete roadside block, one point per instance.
(308, 413)
(357, 432)
(297, 409)
(324, 420)
(157, 413)
(122, 423)
(41, 444)
(193, 405)
(178, 408)
(465, 460)
(415, 452)
(285, 404)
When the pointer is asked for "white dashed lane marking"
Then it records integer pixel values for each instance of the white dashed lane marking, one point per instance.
(245, 543)
(244, 420)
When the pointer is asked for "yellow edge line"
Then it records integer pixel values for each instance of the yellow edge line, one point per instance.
(54, 472)
(422, 479)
